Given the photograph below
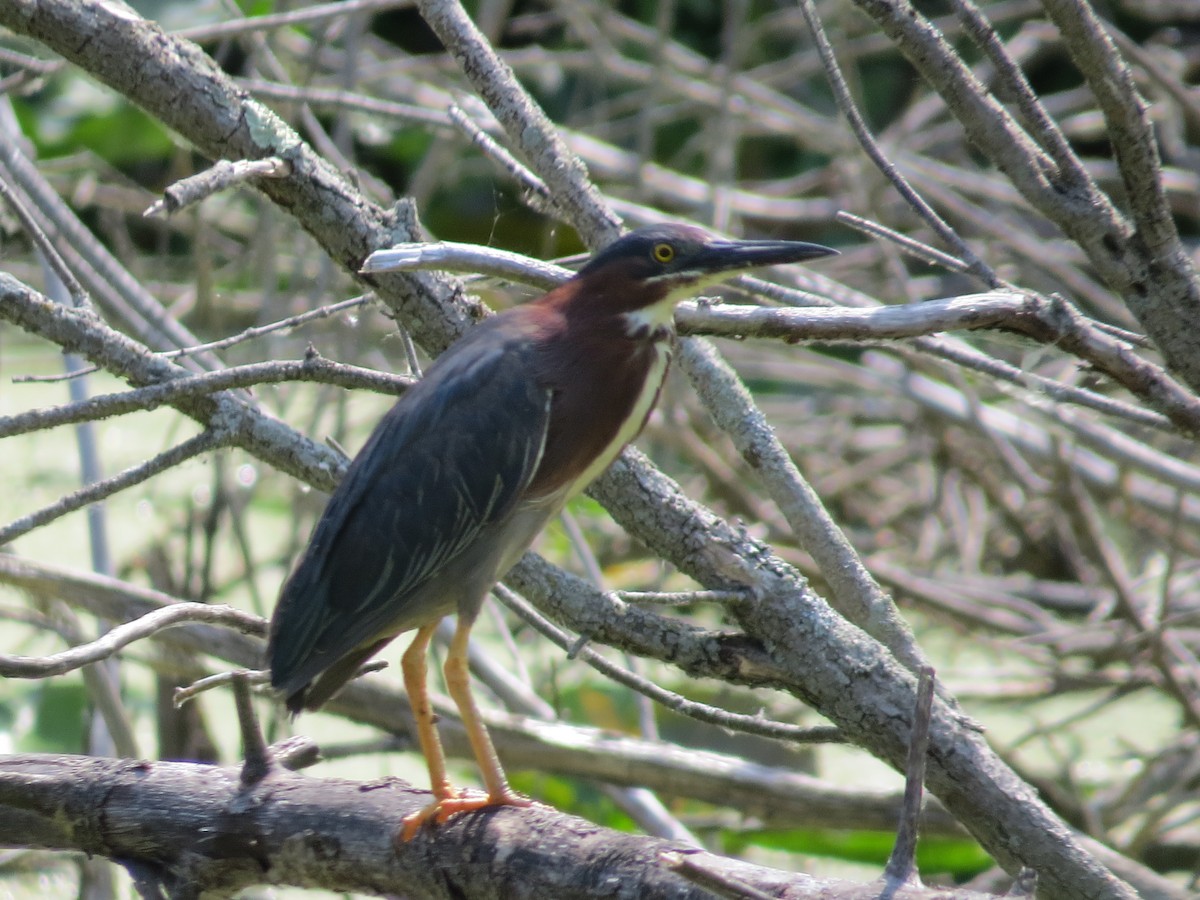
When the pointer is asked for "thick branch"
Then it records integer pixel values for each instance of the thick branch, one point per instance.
(198, 828)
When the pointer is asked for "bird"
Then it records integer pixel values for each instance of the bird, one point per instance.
(460, 476)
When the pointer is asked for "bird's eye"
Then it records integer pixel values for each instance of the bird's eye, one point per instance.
(663, 253)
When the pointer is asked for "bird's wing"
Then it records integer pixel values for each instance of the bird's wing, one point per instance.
(454, 455)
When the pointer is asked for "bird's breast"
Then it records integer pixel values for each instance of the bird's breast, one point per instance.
(639, 411)
(603, 392)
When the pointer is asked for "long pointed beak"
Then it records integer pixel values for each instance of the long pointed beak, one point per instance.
(736, 256)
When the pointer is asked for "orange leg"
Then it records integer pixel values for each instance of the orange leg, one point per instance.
(414, 665)
(459, 686)
(447, 802)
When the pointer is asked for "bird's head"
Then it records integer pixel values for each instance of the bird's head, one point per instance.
(646, 272)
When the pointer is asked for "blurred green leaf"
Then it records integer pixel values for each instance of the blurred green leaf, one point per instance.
(954, 856)
(575, 797)
(58, 720)
(121, 134)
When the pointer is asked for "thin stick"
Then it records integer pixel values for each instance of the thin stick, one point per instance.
(207, 440)
(757, 725)
(717, 882)
(314, 368)
(901, 866)
(218, 177)
(121, 636)
(841, 94)
(50, 254)
(257, 763)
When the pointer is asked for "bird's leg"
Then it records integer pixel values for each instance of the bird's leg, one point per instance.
(458, 684)
(414, 665)
(447, 801)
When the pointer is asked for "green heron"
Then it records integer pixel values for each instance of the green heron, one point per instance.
(460, 476)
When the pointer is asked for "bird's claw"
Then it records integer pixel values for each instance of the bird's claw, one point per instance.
(457, 801)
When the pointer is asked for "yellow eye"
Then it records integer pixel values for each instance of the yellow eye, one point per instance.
(663, 253)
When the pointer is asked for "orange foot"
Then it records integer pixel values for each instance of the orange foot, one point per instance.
(455, 802)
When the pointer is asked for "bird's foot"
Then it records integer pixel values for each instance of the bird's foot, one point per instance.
(457, 801)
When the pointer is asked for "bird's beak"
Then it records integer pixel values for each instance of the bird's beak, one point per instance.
(736, 256)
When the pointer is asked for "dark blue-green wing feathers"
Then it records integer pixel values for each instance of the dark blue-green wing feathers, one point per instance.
(453, 456)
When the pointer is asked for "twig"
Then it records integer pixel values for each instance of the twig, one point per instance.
(312, 368)
(320, 12)
(221, 175)
(346, 100)
(996, 309)
(122, 635)
(256, 762)
(969, 358)
(57, 377)
(756, 725)
(449, 256)
(901, 868)
(718, 882)
(322, 312)
(210, 439)
(534, 188)
(45, 246)
(183, 695)
(919, 249)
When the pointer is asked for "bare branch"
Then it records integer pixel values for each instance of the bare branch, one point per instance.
(123, 635)
(222, 175)
(204, 442)
(757, 725)
(312, 368)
